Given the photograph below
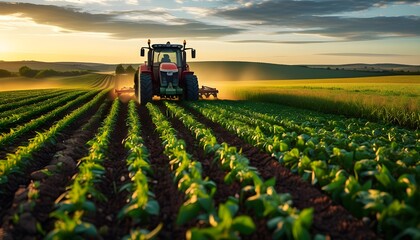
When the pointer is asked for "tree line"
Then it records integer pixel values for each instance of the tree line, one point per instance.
(5, 73)
(26, 71)
(121, 70)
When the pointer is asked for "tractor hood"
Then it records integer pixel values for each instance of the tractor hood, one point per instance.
(169, 79)
(168, 67)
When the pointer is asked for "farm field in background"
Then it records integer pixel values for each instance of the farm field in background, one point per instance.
(394, 99)
(78, 161)
(84, 81)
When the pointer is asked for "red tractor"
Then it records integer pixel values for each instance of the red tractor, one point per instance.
(165, 74)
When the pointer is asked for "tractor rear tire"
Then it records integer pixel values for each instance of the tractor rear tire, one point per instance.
(136, 85)
(146, 88)
(191, 87)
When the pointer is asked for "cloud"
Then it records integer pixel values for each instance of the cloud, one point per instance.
(73, 19)
(132, 2)
(319, 17)
(282, 42)
(279, 9)
(364, 54)
(103, 2)
(359, 29)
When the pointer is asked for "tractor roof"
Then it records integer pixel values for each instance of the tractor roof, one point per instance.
(167, 45)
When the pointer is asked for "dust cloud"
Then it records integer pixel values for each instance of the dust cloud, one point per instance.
(124, 80)
(12, 84)
(227, 80)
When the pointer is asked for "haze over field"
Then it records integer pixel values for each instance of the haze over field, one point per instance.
(275, 31)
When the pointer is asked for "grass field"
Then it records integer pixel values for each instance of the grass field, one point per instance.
(24, 83)
(394, 99)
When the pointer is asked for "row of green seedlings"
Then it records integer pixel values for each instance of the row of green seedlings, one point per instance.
(106, 82)
(199, 203)
(12, 106)
(396, 146)
(346, 130)
(24, 109)
(98, 81)
(335, 139)
(353, 156)
(78, 202)
(141, 202)
(28, 112)
(33, 194)
(397, 112)
(354, 153)
(372, 191)
(20, 130)
(15, 163)
(11, 97)
(285, 220)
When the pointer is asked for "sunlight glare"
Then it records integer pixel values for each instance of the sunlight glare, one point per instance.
(5, 47)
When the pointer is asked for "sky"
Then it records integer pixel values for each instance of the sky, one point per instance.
(273, 31)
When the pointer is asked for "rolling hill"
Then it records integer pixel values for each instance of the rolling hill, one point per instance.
(233, 71)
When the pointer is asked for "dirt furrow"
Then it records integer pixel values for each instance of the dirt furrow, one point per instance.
(24, 139)
(167, 194)
(330, 218)
(213, 171)
(115, 177)
(60, 161)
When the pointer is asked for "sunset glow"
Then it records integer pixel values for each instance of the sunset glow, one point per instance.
(278, 31)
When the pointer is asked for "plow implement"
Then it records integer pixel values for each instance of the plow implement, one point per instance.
(124, 90)
(206, 91)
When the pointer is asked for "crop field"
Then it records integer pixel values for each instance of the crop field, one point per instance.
(390, 99)
(85, 164)
(85, 81)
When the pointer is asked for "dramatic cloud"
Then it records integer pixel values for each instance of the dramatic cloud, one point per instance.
(364, 54)
(282, 42)
(359, 29)
(322, 18)
(75, 20)
(275, 10)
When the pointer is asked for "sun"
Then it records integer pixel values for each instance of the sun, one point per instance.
(5, 46)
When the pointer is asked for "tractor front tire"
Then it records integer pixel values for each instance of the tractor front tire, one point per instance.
(191, 87)
(146, 88)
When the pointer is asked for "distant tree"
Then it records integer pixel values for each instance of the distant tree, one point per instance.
(5, 73)
(25, 71)
(130, 69)
(120, 69)
(47, 73)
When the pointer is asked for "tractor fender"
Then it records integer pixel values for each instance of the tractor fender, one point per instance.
(185, 73)
(144, 69)
(183, 76)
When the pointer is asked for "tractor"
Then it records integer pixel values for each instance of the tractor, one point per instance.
(165, 73)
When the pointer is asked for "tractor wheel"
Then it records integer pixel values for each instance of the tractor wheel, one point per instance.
(146, 88)
(136, 85)
(191, 88)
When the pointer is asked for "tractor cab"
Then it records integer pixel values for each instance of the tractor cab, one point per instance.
(167, 67)
(165, 73)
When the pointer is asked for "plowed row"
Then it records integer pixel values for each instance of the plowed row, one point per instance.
(33, 193)
(55, 164)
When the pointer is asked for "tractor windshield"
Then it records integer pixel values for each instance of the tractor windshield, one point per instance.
(167, 55)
